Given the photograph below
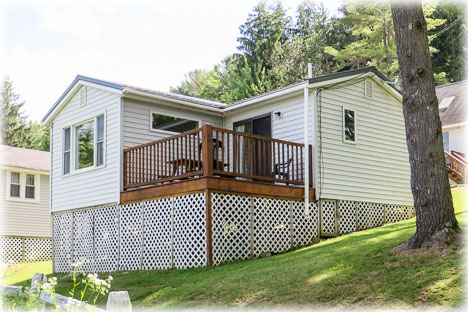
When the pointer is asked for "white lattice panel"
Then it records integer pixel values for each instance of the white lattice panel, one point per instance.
(63, 242)
(347, 216)
(157, 246)
(328, 216)
(411, 212)
(230, 227)
(11, 250)
(106, 233)
(272, 225)
(395, 213)
(131, 220)
(304, 228)
(190, 231)
(370, 215)
(83, 239)
(36, 249)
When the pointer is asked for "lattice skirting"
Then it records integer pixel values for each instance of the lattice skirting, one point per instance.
(24, 249)
(344, 216)
(172, 232)
(157, 234)
(245, 227)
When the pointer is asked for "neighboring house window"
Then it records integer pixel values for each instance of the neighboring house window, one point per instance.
(349, 125)
(446, 138)
(172, 124)
(30, 187)
(23, 186)
(15, 184)
(66, 150)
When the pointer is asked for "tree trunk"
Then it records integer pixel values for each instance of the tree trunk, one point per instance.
(435, 218)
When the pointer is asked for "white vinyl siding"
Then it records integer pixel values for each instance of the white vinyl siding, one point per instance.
(457, 139)
(376, 168)
(289, 127)
(137, 120)
(23, 218)
(90, 186)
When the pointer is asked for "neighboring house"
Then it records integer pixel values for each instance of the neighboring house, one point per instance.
(25, 229)
(452, 110)
(142, 179)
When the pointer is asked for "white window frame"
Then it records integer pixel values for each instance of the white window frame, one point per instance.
(170, 115)
(70, 165)
(22, 197)
(74, 145)
(345, 108)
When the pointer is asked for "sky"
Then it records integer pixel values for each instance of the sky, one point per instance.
(151, 44)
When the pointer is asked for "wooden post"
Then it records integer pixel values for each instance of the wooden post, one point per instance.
(207, 147)
(124, 170)
(119, 301)
(209, 230)
(23, 250)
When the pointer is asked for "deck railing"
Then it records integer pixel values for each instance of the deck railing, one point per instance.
(456, 164)
(227, 153)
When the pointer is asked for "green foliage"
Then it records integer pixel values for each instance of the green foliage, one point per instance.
(274, 48)
(16, 130)
(448, 43)
(13, 119)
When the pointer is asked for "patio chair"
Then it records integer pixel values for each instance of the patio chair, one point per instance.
(216, 145)
(282, 169)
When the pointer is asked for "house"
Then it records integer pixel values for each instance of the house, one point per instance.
(142, 179)
(25, 229)
(453, 115)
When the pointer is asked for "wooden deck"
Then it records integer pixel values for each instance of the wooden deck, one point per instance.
(215, 184)
(215, 159)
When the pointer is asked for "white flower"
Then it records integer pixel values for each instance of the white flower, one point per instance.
(47, 287)
(110, 278)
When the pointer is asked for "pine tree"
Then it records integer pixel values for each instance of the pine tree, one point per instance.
(13, 119)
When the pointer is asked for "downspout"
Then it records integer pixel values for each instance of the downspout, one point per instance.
(306, 150)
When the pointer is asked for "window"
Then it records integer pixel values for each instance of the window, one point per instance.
(446, 138)
(15, 184)
(30, 188)
(84, 134)
(66, 150)
(349, 125)
(100, 141)
(172, 124)
(84, 145)
(23, 186)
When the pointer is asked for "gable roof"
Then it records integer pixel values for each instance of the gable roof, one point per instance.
(214, 105)
(453, 95)
(24, 158)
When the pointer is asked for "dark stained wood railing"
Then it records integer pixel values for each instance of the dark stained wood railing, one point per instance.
(227, 153)
(456, 165)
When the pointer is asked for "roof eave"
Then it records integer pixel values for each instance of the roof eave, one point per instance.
(72, 88)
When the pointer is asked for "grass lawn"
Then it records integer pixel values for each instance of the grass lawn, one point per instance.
(15, 273)
(352, 270)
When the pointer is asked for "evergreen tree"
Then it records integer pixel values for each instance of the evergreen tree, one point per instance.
(16, 130)
(13, 119)
(447, 41)
(374, 38)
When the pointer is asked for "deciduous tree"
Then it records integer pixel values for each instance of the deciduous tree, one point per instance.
(435, 218)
